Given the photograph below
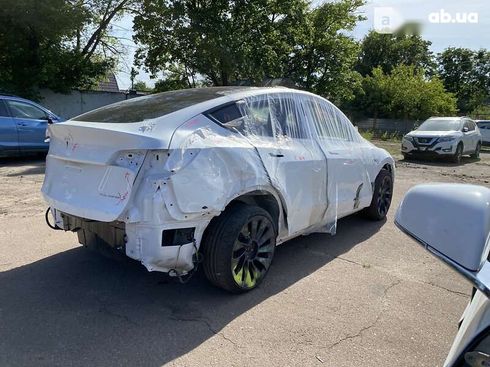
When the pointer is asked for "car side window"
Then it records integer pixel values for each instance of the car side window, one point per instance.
(472, 125)
(329, 122)
(258, 119)
(287, 119)
(3, 109)
(227, 115)
(24, 110)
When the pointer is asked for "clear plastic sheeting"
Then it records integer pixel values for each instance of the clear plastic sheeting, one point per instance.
(312, 155)
(180, 170)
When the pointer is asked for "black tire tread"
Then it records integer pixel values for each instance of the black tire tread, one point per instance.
(371, 212)
(454, 158)
(218, 240)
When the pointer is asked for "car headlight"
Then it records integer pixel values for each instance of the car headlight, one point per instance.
(446, 139)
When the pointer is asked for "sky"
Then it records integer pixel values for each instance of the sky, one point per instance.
(445, 23)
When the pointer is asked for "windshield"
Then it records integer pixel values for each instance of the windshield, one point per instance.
(153, 106)
(440, 125)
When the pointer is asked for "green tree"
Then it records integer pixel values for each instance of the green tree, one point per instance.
(223, 40)
(389, 50)
(405, 93)
(56, 44)
(141, 86)
(466, 73)
(227, 41)
(373, 99)
(323, 59)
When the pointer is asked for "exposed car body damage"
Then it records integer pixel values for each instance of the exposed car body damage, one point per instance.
(179, 171)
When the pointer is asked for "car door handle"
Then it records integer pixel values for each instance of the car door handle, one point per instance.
(21, 124)
(276, 155)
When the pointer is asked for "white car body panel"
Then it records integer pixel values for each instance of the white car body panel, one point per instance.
(183, 169)
(476, 320)
(458, 235)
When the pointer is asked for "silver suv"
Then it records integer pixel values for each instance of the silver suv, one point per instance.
(450, 137)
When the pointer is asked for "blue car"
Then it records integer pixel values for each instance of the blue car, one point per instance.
(23, 126)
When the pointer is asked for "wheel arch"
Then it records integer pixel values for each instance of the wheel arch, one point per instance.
(266, 199)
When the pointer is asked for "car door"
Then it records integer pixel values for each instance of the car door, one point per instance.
(477, 138)
(469, 136)
(293, 161)
(9, 142)
(31, 122)
(349, 184)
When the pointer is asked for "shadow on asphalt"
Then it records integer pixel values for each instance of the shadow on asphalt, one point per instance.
(441, 162)
(79, 308)
(36, 164)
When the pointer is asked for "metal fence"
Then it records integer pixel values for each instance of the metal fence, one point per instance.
(390, 126)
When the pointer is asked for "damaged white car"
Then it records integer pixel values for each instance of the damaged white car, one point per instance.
(218, 175)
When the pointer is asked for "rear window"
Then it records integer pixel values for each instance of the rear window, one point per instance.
(153, 106)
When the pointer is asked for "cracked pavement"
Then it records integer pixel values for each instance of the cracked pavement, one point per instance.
(368, 296)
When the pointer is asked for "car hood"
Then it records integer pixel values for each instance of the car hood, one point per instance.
(433, 134)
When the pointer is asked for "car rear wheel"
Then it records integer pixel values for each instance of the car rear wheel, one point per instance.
(477, 151)
(382, 195)
(459, 154)
(238, 248)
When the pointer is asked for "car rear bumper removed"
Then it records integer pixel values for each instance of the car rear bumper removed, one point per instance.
(169, 249)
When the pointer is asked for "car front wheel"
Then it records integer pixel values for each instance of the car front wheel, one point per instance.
(459, 154)
(382, 195)
(238, 248)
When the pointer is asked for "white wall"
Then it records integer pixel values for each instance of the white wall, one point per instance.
(77, 102)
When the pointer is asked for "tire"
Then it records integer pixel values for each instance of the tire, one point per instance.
(458, 154)
(382, 195)
(476, 155)
(238, 248)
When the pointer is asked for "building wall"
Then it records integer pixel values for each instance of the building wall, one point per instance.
(78, 102)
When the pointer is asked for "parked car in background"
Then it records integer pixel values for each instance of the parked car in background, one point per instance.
(220, 175)
(23, 125)
(459, 236)
(484, 126)
(443, 137)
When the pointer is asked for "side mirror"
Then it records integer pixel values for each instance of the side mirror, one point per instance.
(465, 129)
(452, 221)
(50, 120)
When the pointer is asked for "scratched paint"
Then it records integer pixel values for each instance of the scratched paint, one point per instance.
(183, 169)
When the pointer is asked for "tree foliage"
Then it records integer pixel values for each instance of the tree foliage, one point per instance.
(323, 59)
(466, 73)
(56, 44)
(227, 41)
(405, 93)
(390, 50)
